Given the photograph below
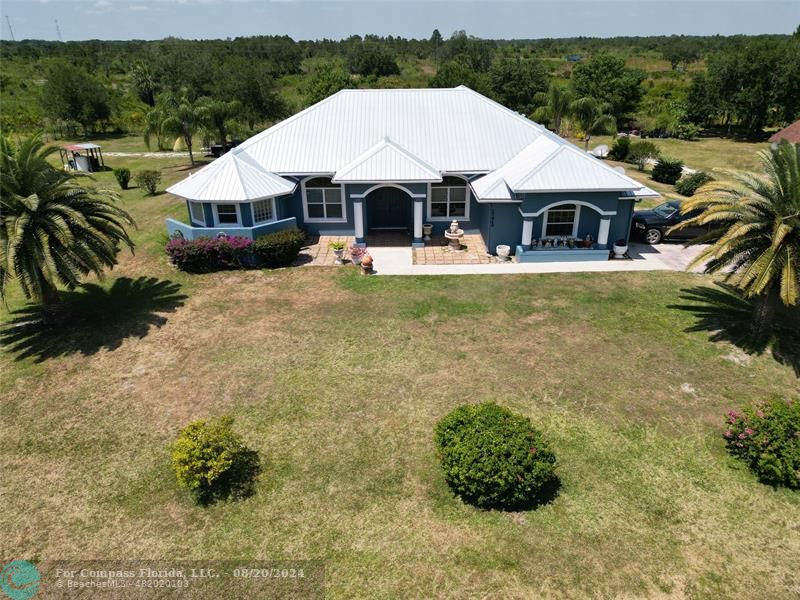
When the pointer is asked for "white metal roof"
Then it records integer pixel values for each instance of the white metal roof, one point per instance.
(387, 161)
(453, 130)
(235, 177)
(405, 135)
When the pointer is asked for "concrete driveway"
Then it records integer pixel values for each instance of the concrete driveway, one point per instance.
(672, 254)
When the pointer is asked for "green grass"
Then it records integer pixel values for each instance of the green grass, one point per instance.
(338, 380)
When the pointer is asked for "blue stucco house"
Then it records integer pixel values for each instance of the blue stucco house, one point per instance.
(363, 161)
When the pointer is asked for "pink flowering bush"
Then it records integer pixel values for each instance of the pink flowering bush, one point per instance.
(205, 255)
(767, 437)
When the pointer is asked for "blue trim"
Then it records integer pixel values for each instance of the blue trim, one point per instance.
(247, 214)
(190, 232)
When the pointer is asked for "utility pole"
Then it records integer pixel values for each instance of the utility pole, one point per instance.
(11, 31)
(58, 31)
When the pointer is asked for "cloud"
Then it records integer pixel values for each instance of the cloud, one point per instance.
(102, 3)
(139, 7)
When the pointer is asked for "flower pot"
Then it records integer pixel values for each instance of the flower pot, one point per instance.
(502, 252)
(427, 230)
(620, 250)
(339, 254)
(356, 258)
(366, 264)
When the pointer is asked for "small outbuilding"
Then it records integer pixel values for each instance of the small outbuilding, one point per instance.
(82, 157)
(790, 133)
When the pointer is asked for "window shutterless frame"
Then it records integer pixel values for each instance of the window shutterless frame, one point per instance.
(575, 208)
(266, 208)
(217, 222)
(327, 192)
(197, 213)
(448, 200)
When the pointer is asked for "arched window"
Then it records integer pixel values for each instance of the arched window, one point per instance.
(449, 200)
(323, 200)
(561, 220)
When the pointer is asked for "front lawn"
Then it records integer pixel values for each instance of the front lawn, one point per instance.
(338, 381)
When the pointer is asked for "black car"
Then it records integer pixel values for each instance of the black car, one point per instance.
(653, 225)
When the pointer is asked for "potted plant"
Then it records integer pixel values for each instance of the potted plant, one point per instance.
(427, 230)
(587, 241)
(338, 251)
(356, 254)
(620, 248)
(502, 252)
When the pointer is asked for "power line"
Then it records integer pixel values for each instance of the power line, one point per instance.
(10, 30)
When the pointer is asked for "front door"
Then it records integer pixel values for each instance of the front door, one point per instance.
(388, 208)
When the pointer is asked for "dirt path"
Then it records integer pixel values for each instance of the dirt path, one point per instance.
(148, 154)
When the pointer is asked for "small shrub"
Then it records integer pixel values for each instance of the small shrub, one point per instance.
(493, 458)
(148, 179)
(767, 437)
(213, 462)
(336, 245)
(688, 184)
(205, 255)
(619, 151)
(667, 171)
(123, 176)
(641, 151)
(279, 249)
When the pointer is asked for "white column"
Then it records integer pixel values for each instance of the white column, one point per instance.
(358, 219)
(602, 234)
(527, 231)
(417, 219)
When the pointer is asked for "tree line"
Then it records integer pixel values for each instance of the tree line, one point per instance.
(585, 84)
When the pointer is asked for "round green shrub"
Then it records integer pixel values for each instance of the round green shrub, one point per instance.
(688, 184)
(767, 437)
(279, 249)
(212, 461)
(493, 458)
(148, 179)
(667, 171)
(123, 176)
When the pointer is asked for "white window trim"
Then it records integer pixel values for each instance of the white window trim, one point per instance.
(308, 219)
(574, 224)
(467, 196)
(238, 216)
(253, 211)
(202, 212)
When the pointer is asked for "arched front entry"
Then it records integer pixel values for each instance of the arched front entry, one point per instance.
(389, 208)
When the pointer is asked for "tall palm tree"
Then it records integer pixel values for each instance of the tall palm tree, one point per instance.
(755, 231)
(554, 105)
(53, 231)
(593, 117)
(217, 115)
(176, 114)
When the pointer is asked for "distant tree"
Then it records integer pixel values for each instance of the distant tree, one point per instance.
(457, 72)
(641, 151)
(554, 105)
(680, 51)
(515, 82)
(593, 118)
(701, 103)
(252, 85)
(144, 82)
(755, 231)
(606, 79)
(71, 94)
(325, 81)
(53, 231)
(475, 52)
(436, 40)
(217, 115)
(370, 58)
(175, 114)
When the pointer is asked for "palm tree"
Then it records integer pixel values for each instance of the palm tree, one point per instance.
(217, 115)
(755, 231)
(593, 117)
(175, 114)
(554, 105)
(53, 231)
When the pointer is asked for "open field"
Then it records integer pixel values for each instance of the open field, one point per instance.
(338, 380)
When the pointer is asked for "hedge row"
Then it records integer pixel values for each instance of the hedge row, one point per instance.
(205, 255)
